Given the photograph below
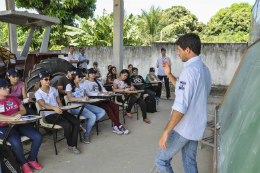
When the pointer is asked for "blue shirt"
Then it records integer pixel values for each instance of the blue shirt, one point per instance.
(159, 63)
(81, 58)
(191, 96)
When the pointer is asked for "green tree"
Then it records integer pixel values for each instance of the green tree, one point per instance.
(149, 24)
(177, 20)
(65, 10)
(231, 20)
(3, 35)
(99, 31)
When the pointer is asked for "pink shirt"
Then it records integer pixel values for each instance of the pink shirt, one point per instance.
(17, 92)
(11, 106)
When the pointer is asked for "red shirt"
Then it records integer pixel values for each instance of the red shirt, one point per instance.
(11, 106)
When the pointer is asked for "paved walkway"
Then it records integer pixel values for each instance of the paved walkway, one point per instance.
(132, 153)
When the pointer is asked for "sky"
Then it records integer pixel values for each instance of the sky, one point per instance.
(203, 9)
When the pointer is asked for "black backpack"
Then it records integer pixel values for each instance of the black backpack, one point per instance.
(8, 161)
(150, 104)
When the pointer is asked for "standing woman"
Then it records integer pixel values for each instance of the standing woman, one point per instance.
(124, 84)
(11, 110)
(76, 92)
(95, 88)
(48, 98)
(18, 89)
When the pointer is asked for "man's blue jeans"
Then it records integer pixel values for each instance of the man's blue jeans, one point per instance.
(93, 113)
(15, 140)
(174, 144)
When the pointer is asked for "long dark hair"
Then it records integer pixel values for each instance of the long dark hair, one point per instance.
(99, 86)
(8, 81)
(72, 83)
(110, 71)
(127, 81)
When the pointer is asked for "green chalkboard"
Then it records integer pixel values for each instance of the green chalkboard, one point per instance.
(239, 117)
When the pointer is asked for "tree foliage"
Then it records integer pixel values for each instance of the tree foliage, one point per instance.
(99, 31)
(231, 20)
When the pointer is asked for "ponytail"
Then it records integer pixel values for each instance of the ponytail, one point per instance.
(72, 83)
(99, 86)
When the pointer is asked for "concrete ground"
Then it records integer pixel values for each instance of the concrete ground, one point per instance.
(132, 153)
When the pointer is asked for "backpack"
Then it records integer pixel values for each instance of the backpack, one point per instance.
(150, 104)
(8, 161)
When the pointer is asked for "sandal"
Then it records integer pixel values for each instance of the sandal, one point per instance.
(128, 116)
(147, 121)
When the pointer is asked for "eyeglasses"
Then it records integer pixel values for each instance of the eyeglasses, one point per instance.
(46, 79)
(114, 70)
(5, 88)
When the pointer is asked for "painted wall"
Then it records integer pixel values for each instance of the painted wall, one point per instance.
(221, 58)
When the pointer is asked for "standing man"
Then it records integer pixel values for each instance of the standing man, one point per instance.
(161, 73)
(189, 111)
(72, 57)
(83, 58)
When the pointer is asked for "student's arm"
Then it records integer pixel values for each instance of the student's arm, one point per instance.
(15, 116)
(58, 99)
(109, 80)
(119, 90)
(61, 90)
(24, 93)
(157, 63)
(150, 80)
(56, 109)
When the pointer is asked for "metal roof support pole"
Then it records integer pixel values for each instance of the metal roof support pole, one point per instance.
(45, 41)
(12, 35)
(118, 34)
(27, 43)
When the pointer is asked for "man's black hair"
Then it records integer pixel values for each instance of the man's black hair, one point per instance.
(71, 69)
(191, 41)
(71, 46)
(163, 49)
(84, 71)
(81, 48)
(79, 64)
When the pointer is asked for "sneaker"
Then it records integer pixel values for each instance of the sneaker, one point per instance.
(83, 127)
(86, 138)
(117, 131)
(74, 150)
(26, 168)
(157, 98)
(35, 165)
(123, 129)
(169, 98)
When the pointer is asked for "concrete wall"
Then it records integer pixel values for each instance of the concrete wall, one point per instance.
(221, 58)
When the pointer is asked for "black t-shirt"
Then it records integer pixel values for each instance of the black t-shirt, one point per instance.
(137, 79)
(63, 81)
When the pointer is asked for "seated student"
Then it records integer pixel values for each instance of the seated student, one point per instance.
(11, 110)
(152, 78)
(95, 88)
(79, 65)
(137, 81)
(48, 98)
(130, 67)
(63, 82)
(95, 66)
(76, 91)
(124, 84)
(85, 72)
(112, 75)
(18, 89)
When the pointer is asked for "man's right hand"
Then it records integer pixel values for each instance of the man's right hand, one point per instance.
(167, 67)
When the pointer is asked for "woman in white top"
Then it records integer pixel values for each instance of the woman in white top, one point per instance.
(95, 88)
(48, 98)
(124, 84)
(76, 92)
